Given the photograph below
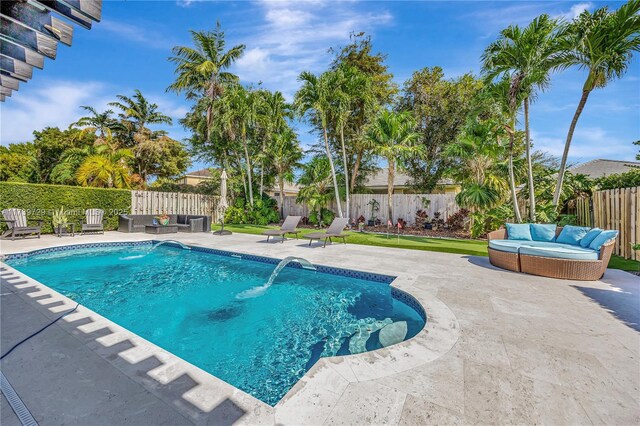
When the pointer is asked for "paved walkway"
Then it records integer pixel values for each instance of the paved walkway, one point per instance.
(501, 348)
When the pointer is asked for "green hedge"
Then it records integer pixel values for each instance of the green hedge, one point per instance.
(39, 201)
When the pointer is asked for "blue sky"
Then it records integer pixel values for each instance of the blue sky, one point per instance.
(129, 49)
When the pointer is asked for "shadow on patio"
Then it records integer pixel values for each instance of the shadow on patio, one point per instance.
(622, 299)
(197, 396)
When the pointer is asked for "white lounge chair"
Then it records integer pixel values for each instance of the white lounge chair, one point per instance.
(333, 231)
(288, 227)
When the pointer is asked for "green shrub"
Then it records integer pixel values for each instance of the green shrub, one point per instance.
(327, 217)
(264, 212)
(622, 180)
(40, 201)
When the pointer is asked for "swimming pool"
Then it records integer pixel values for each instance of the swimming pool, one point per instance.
(212, 309)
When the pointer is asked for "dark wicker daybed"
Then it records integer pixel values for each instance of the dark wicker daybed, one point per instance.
(571, 269)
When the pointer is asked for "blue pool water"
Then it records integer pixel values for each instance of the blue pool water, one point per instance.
(194, 305)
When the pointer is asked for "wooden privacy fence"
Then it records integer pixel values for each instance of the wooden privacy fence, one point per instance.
(614, 209)
(404, 206)
(152, 202)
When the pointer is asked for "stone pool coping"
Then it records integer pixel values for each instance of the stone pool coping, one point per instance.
(309, 399)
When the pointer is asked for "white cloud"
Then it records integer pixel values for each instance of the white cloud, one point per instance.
(139, 33)
(296, 36)
(186, 3)
(587, 143)
(56, 103)
(494, 18)
(576, 10)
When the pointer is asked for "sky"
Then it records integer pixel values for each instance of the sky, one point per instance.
(129, 48)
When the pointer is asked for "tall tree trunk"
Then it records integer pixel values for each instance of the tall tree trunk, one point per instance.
(333, 173)
(512, 179)
(248, 161)
(346, 174)
(244, 178)
(532, 195)
(262, 170)
(390, 178)
(281, 196)
(261, 179)
(356, 169)
(567, 144)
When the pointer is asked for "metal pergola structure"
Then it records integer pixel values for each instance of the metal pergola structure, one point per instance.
(30, 31)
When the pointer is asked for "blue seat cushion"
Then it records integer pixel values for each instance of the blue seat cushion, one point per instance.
(572, 234)
(561, 251)
(602, 238)
(518, 231)
(543, 231)
(510, 246)
(591, 235)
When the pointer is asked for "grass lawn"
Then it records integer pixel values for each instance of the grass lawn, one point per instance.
(445, 245)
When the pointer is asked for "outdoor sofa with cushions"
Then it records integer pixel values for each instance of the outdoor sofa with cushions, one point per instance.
(185, 223)
(570, 252)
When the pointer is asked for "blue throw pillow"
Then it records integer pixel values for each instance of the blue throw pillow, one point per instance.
(543, 232)
(572, 234)
(602, 238)
(518, 231)
(591, 235)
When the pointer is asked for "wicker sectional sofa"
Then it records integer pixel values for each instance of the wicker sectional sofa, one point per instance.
(549, 259)
(185, 223)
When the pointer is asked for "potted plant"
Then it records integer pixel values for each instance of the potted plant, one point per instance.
(163, 219)
(361, 223)
(375, 206)
(58, 217)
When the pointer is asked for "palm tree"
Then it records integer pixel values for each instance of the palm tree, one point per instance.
(350, 88)
(508, 94)
(313, 100)
(108, 170)
(602, 43)
(314, 183)
(393, 137)
(201, 70)
(240, 113)
(529, 55)
(284, 154)
(139, 111)
(272, 115)
(476, 154)
(101, 122)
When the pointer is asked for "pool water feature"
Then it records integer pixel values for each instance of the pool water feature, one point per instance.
(258, 291)
(185, 301)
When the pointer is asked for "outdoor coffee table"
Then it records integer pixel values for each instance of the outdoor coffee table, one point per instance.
(160, 229)
(63, 229)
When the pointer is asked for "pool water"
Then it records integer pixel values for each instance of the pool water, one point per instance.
(194, 305)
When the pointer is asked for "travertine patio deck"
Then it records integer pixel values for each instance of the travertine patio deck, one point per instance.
(501, 348)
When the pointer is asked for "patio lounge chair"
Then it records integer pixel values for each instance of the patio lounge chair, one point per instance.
(16, 220)
(333, 231)
(93, 221)
(288, 227)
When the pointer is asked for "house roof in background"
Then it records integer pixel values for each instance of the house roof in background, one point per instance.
(379, 179)
(203, 173)
(600, 167)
